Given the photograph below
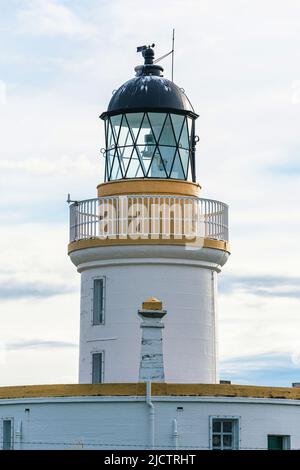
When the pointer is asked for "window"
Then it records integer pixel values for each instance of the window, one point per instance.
(276, 442)
(97, 367)
(98, 301)
(7, 425)
(224, 433)
(149, 145)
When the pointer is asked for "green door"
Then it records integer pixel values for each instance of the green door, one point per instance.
(275, 442)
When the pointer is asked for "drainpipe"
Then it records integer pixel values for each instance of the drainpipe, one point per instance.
(18, 436)
(175, 433)
(151, 415)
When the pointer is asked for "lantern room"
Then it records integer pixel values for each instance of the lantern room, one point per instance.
(149, 127)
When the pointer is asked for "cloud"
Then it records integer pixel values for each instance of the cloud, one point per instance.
(3, 93)
(262, 286)
(290, 168)
(62, 166)
(39, 343)
(272, 369)
(13, 290)
(49, 17)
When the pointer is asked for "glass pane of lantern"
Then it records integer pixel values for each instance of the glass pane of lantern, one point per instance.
(167, 135)
(184, 155)
(146, 135)
(177, 121)
(146, 158)
(157, 169)
(190, 123)
(116, 170)
(157, 120)
(145, 153)
(110, 136)
(167, 154)
(124, 135)
(115, 124)
(134, 121)
(177, 171)
(124, 157)
(109, 159)
(189, 174)
(134, 169)
(184, 138)
(140, 173)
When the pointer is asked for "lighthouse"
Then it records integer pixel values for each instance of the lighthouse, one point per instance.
(149, 233)
(149, 250)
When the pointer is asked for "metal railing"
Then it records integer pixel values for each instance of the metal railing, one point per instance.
(148, 216)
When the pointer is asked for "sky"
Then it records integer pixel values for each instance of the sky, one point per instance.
(239, 63)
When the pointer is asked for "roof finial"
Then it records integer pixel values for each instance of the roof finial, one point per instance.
(147, 52)
(149, 67)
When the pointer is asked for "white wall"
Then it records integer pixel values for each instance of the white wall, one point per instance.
(123, 422)
(184, 281)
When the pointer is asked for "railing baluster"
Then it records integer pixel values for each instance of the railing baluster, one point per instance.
(147, 215)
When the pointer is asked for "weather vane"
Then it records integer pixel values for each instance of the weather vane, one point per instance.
(144, 48)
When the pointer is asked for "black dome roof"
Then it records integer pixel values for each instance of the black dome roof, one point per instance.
(149, 90)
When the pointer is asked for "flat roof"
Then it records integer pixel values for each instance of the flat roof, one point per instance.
(139, 389)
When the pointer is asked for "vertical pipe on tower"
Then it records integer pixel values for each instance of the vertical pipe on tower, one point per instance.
(175, 433)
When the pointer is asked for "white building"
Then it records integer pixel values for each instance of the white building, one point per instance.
(117, 416)
(149, 233)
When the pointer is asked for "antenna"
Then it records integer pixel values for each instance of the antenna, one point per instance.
(173, 50)
(165, 55)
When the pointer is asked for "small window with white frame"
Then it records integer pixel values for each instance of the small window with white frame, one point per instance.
(7, 433)
(98, 367)
(224, 433)
(98, 303)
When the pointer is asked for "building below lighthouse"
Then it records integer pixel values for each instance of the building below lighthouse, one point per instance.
(149, 249)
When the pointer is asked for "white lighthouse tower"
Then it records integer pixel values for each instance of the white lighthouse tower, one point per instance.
(149, 233)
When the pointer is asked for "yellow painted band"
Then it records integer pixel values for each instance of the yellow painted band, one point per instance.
(149, 186)
(196, 242)
(158, 389)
